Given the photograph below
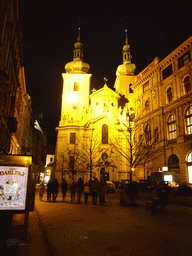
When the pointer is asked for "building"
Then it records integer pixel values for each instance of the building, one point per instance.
(162, 99)
(20, 134)
(88, 124)
(144, 126)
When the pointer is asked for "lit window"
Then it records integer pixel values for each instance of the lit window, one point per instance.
(169, 94)
(148, 134)
(184, 59)
(105, 134)
(76, 86)
(72, 138)
(187, 84)
(172, 127)
(188, 117)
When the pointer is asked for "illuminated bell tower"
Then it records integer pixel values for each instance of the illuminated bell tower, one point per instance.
(125, 72)
(76, 88)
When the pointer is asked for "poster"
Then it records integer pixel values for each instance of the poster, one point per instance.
(13, 187)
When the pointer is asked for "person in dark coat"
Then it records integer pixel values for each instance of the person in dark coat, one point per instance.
(64, 188)
(49, 190)
(79, 189)
(55, 186)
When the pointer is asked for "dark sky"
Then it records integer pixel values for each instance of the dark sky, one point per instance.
(50, 29)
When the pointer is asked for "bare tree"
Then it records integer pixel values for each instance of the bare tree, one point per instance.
(135, 144)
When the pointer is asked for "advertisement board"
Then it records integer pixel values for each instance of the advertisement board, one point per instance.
(13, 187)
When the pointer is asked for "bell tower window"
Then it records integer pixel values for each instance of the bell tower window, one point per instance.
(76, 86)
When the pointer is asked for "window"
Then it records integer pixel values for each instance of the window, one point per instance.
(76, 86)
(169, 94)
(148, 134)
(187, 84)
(105, 134)
(184, 59)
(188, 117)
(173, 162)
(172, 127)
(167, 72)
(72, 138)
(147, 106)
(146, 87)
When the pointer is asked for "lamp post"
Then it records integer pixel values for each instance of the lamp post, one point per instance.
(131, 117)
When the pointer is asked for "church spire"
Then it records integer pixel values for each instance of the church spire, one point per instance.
(78, 48)
(77, 65)
(126, 51)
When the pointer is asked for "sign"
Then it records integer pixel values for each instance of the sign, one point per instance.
(13, 187)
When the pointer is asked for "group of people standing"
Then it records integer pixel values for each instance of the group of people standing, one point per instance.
(93, 187)
(52, 190)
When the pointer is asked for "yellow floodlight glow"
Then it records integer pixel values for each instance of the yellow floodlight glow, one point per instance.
(72, 98)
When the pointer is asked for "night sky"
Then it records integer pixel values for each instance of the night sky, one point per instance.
(50, 29)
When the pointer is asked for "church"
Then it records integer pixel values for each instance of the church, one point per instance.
(140, 127)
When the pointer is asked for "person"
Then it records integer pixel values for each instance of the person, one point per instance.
(73, 189)
(102, 191)
(86, 191)
(49, 190)
(79, 189)
(55, 186)
(41, 190)
(95, 189)
(64, 188)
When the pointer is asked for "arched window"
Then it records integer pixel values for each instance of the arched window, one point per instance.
(187, 84)
(105, 134)
(173, 162)
(169, 94)
(76, 86)
(147, 106)
(188, 117)
(172, 127)
(148, 134)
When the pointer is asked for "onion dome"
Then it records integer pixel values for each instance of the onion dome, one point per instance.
(127, 68)
(77, 65)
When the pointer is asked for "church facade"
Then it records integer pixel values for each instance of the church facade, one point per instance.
(142, 126)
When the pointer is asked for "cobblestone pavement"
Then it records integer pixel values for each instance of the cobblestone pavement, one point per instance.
(57, 228)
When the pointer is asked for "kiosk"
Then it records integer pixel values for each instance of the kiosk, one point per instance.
(17, 193)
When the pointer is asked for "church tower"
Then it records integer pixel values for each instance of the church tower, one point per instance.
(125, 74)
(74, 109)
(76, 88)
